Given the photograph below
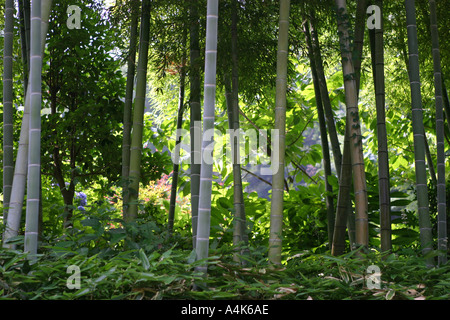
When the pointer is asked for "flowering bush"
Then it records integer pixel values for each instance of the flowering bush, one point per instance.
(81, 196)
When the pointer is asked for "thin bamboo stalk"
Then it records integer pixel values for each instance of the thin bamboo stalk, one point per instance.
(383, 157)
(176, 165)
(138, 114)
(128, 106)
(441, 196)
(418, 131)
(195, 114)
(8, 139)
(34, 151)
(276, 209)
(323, 135)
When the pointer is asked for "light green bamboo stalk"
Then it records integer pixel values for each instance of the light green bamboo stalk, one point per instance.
(383, 157)
(138, 114)
(441, 199)
(21, 165)
(8, 152)
(34, 146)
(276, 210)
(354, 130)
(128, 106)
(418, 131)
(204, 204)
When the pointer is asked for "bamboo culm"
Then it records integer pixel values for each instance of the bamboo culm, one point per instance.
(34, 146)
(128, 106)
(138, 114)
(21, 164)
(8, 151)
(204, 204)
(441, 196)
(354, 129)
(323, 135)
(276, 209)
(176, 165)
(195, 114)
(383, 158)
(418, 131)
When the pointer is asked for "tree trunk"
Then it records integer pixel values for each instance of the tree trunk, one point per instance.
(195, 115)
(128, 106)
(138, 115)
(20, 169)
(354, 129)
(8, 139)
(34, 151)
(204, 206)
(441, 196)
(418, 130)
(276, 210)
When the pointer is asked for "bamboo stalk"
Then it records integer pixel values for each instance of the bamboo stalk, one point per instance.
(34, 151)
(441, 196)
(418, 131)
(8, 139)
(195, 115)
(276, 209)
(128, 106)
(176, 165)
(323, 136)
(21, 164)
(383, 157)
(204, 204)
(354, 129)
(138, 114)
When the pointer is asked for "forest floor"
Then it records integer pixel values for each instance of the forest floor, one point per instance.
(66, 274)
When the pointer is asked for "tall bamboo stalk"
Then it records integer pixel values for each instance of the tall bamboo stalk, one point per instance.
(323, 136)
(128, 106)
(21, 164)
(204, 205)
(23, 43)
(276, 209)
(240, 225)
(176, 165)
(138, 114)
(441, 197)
(34, 151)
(325, 97)
(354, 129)
(345, 183)
(8, 139)
(383, 157)
(195, 113)
(418, 131)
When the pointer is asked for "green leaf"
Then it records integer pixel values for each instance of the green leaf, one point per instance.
(144, 259)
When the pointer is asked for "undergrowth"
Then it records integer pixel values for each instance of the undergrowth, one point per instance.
(171, 274)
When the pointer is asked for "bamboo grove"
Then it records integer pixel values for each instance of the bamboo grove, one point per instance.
(262, 65)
